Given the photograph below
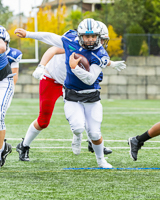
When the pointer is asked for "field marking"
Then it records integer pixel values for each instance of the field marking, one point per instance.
(111, 168)
(105, 113)
(83, 140)
(87, 170)
(87, 147)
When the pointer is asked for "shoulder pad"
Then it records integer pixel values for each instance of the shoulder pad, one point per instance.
(71, 34)
(14, 54)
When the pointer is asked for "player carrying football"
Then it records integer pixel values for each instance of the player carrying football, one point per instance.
(81, 94)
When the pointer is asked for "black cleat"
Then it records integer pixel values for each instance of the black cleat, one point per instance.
(135, 145)
(23, 151)
(105, 150)
(7, 150)
(90, 146)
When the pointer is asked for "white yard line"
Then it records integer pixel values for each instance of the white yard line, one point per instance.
(44, 139)
(105, 113)
(86, 147)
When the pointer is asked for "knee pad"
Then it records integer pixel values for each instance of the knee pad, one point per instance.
(78, 131)
(45, 114)
(94, 136)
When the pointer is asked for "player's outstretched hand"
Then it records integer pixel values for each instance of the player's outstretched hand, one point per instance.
(118, 65)
(20, 32)
(73, 62)
(38, 72)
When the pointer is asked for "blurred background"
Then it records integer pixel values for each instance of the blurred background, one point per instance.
(134, 27)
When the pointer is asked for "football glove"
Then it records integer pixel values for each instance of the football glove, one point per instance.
(2, 32)
(118, 65)
(38, 72)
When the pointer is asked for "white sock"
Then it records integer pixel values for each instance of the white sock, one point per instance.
(1, 150)
(32, 133)
(98, 149)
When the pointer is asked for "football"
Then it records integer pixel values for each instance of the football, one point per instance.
(83, 63)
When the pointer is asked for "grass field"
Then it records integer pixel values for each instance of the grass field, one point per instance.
(45, 177)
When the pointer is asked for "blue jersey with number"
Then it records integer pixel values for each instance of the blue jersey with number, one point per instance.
(3, 60)
(98, 56)
(14, 55)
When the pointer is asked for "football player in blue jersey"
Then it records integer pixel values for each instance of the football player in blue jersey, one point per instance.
(6, 94)
(14, 56)
(9, 65)
(53, 68)
(81, 88)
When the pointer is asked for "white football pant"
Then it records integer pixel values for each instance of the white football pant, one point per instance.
(6, 94)
(84, 115)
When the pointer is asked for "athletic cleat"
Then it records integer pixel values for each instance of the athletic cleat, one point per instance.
(23, 151)
(135, 145)
(90, 146)
(76, 144)
(7, 150)
(102, 163)
(105, 150)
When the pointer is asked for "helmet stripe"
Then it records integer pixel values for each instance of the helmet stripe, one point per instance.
(89, 24)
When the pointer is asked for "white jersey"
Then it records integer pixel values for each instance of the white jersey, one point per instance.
(57, 68)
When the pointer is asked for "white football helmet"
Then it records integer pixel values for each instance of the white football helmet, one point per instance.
(104, 34)
(2, 32)
(89, 27)
(7, 37)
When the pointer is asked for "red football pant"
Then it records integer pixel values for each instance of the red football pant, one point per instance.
(49, 92)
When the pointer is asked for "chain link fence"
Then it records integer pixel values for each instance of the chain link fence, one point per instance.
(141, 44)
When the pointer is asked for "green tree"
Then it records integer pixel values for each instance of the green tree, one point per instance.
(126, 13)
(73, 19)
(151, 17)
(5, 15)
(134, 39)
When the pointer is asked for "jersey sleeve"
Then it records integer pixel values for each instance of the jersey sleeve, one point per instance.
(69, 37)
(48, 38)
(14, 55)
(101, 58)
(87, 77)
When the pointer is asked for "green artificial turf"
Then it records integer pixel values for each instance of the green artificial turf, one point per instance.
(45, 177)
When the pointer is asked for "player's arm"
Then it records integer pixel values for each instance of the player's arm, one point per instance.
(47, 56)
(86, 77)
(15, 70)
(48, 38)
(15, 65)
(50, 53)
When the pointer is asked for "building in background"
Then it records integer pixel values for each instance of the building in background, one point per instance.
(83, 5)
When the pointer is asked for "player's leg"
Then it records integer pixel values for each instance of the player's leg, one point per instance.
(93, 114)
(138, 141)
(49, 92)
(6, 94)
(90, 148)
(74, 113)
